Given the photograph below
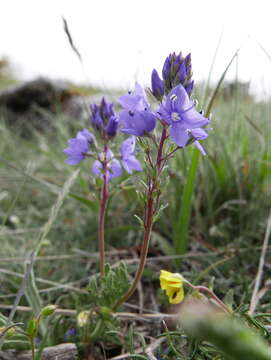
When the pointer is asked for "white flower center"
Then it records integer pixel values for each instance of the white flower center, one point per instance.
(175, 116)
(173, 97)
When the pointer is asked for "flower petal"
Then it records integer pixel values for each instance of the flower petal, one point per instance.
(127, 147)
(179, 134)
(198, 134)
(131, 163)
(193, 119)
(136, 100)
(115, 168)
(172, 283)
(165, 275)
(137, 122)
(200, 147)
(96, 167)
(176, 296)
(132, 132)
(178, 99)
(74, 160)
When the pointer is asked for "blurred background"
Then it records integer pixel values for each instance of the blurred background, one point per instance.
(45, 93)
(121, 40)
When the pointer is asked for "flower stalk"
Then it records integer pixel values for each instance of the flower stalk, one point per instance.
(150, 212)
(103, 206)
(173, 284)
(212, 295)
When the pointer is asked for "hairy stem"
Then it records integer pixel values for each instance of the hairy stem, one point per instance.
(148, 222)
(144, 250)
(103, 205)
(212, 295)
(160, 149)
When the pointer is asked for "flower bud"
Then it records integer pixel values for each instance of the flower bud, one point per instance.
(190, 87)
(82, 318)
(181, 75)
(105, 313)
(48, 310)
(177, 70)
(32, 327)
(166, 68)
(103, 119)
(112, 126)
(95, 118)
(10, 332)
(157, 85)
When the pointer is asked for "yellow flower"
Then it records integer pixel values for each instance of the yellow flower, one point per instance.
(82, 318)
(173, 284)
(10, 332)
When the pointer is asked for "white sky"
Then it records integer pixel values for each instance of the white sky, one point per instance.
(121, 40)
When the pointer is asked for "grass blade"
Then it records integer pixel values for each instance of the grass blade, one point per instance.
(20, 293)
(32, 293)
(56, 207)
(181, 228)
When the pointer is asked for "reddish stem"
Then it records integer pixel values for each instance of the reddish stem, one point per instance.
(148, 222)
(160, 149)
(212, 295)
(103, 205)
(144, 250)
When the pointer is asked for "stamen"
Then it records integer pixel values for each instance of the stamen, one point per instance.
(175, 116)
(131, 113)
(196, 102)
(173, 97)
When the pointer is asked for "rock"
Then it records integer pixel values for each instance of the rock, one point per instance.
(66, 351)
(31, 105)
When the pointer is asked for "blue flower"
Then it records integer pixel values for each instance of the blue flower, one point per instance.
(78, 147)
(179, 112)
(70, 333)
(128, 159)
(137, 122)
(113, 167)
(135, 101)
(136, 118)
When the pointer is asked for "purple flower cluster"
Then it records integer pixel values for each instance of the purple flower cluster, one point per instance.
(78, 147)
(103, 119)
(178, 70)
(105, 122)
(112, 167)
(179, 112)
(176, 112)
(128, 159)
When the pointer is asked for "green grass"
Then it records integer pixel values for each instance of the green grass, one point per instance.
(231, 202)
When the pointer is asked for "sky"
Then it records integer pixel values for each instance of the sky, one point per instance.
(123, 40)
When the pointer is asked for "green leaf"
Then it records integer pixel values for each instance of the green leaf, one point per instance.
(140, 221)
(228, 299)
(89, 203)
(32, 327)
